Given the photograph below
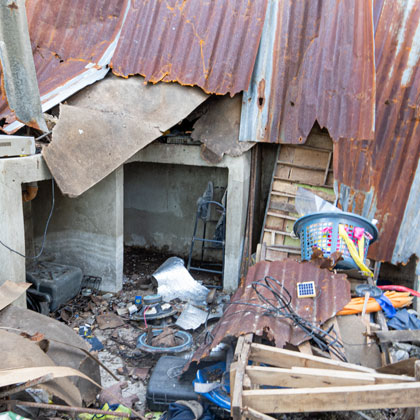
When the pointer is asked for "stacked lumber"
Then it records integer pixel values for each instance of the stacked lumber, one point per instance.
(308, 383)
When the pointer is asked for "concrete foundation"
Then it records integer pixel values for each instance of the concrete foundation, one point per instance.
(88, 231)
(237, 197)
(85, 232)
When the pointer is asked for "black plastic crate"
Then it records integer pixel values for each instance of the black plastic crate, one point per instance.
(166, 385)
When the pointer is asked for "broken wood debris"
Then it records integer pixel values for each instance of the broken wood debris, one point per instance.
(313, 384)
(69, 409)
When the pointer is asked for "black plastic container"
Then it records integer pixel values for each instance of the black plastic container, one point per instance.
(166, 385)
(60, 282)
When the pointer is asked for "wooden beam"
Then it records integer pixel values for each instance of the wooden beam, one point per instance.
(346, 398)
(306, 378)
(312, 378)
(237, 374)
(404, 367)
(250, 413)
(305, 347)
(287, 359)
(401, 336)
(417, 376)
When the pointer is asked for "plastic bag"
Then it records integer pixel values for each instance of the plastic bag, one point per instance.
(307, 202)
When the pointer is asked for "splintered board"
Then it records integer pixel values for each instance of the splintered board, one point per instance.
(308, 166)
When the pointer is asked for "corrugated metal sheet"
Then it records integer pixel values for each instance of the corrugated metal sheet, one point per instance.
(17, 64)
(72, 43)
(375, 178)
(333, 293)
(208, 43)
(315, 62)
(408, 240)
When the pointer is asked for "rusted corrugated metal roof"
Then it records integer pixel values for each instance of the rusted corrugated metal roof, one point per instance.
(375, 178)
(333, 293)
(208, 43)
(72, 43)
(315, 62)
(211, 44)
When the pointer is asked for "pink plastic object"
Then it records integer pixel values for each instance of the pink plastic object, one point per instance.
(358, 233)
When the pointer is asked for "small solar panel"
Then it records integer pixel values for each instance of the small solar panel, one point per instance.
(306, 289)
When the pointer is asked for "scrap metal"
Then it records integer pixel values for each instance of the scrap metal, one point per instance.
(333, 293)
(211, 44)
(72, 45)
(315, 63)
(19, 81)
(375, 179)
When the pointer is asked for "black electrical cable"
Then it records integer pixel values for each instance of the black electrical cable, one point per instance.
(279, 305)
(45, 231)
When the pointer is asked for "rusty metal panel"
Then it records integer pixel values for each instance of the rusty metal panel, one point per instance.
(375, 178)
(72, 44)
(208, 43)
(17, 65)
(332, 294)
(315, 63)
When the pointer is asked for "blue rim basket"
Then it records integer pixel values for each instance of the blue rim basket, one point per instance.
(321, 230)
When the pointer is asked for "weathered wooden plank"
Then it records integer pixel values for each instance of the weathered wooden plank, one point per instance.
(298, 377)
(397, 335)
(242, 352)
(250, 413)
(306, 378)
(343, 398)
(288, 359)
(404, 367)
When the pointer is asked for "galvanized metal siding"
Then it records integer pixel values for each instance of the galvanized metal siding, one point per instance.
(315, 62)
(211, 44)
(375, 178)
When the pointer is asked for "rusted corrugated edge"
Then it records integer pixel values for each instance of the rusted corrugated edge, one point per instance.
(211, 44)
(17, 65)
(375, 179)
(408, 240)
(333, 293)
(307, 70)
(92, 71)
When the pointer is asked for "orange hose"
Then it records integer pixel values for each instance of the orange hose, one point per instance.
(355, 306)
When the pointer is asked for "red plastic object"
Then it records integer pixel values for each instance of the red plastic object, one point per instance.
(400, 289)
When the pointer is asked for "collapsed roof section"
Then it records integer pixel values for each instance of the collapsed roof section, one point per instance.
(211, 44)
(248, 313)
(73, 43)
(315, 63)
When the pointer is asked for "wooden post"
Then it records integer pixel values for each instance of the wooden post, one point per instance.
(417, 375)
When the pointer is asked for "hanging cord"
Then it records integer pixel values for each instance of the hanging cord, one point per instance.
(45, 231)
(278, 305)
